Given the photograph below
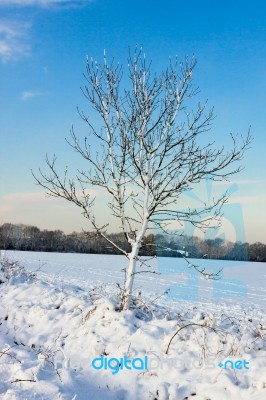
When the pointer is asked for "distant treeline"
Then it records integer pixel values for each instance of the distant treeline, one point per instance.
(31, 238)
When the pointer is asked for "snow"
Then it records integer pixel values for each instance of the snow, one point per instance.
(63, 315)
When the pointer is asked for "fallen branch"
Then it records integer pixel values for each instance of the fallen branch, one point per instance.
(185, 326)
(3, 353)
(23, 380)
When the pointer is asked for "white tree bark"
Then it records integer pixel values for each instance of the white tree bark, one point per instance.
(133, 256)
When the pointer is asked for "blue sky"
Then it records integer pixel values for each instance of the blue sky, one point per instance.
(43, 48)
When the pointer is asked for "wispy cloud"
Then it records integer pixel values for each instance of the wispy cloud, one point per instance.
(44, 3)
(13, 199)
(14, 35)
(250, 181)
(255, 200)
(35, 208)
(29, 94)
(5, 209)
(13, 40)
(240, 182)
(22, 197)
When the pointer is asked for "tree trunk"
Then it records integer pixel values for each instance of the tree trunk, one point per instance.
(130, 275)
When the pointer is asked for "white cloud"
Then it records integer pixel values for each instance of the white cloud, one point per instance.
(5, 209)
(255, 200)
(44, 3)
(28, 94)
(29, 198)
(35, 208)
(250, 181)
(240, 182)
(13, 40)
(23, 197)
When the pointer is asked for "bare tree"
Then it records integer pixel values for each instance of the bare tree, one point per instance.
(149, 152)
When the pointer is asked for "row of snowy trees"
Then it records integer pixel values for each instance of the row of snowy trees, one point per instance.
(31, 238)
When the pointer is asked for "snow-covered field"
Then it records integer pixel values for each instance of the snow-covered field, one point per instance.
(56, 320)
